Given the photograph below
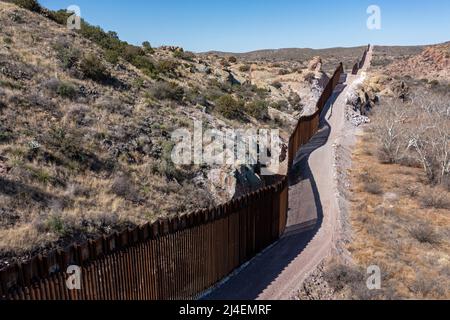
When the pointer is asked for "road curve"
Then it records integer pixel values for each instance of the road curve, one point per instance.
(313, 218)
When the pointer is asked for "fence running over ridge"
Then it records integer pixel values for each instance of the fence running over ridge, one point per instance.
(171, 258)
(360, 64)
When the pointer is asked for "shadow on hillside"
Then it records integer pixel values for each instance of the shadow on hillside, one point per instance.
(250, 282)
(18, 189)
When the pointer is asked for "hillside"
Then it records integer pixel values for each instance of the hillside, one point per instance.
(86, 123)
(427, 63)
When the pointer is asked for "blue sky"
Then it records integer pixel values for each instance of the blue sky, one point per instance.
(245, 25)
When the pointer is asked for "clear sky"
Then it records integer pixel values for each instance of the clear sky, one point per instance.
(245, 25)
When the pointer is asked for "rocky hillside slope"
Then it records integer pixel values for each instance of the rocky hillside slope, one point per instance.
(86, 122)
(433, 63)
(427, 63)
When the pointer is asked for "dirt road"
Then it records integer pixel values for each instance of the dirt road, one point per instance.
(313, 221)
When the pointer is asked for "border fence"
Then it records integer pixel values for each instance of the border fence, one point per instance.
(175, 258)
(360, 64)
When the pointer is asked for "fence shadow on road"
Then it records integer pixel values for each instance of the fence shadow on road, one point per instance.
(266, 267)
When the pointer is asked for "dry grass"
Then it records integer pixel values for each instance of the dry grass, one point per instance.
(396, 231)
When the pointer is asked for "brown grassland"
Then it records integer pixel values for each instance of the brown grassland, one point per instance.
(397, 228)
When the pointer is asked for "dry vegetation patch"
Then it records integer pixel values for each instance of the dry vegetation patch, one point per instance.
(399, 225)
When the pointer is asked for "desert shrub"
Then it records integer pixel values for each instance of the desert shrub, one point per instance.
(123, 186)
(112, 56)
(167, 66)
(224, 63)
(389, 131)
(67, 55)
(244, 68)
(7, 40)
(40, 175)
(295, 100)
(13, 85)
(229, 107)
(93, 68)
(277, 84)
(67, 90)
(425, 233)
(411, 191)
(427, 286)
(339, 276)
(6, 134)
(147, 47)
(434, 198)
(373, 188)
(146, 65)
(261, 93)
(281, 105)
(115, 48)
(196, 97)
(184, 55)
(114, 105)
(80, 115)
(59, 16)
(258, 109)
(283, 72)
(167, 91)
(68, 142)
(232, 59)
(380, 62)
(165, 166)
(131, 52)
(31, 5)
(61, 88)
(56, 225)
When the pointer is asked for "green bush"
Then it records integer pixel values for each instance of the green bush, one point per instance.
(7, 40)
(147, 47)
(112, 56)
(167, 66)
(184, 55)
(92, 68)
(56, 224)
(67, 90)
(258, 109)
(68, 56)
(130, 53)
(229, 107)
(244, 68)
(277, 84)
(31, 5)
(115, 48)
(281, 105)
(167, 91)
(146, 65)
(5, 134)
(60, 16)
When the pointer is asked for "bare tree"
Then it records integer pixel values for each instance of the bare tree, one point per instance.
(390, 131)
(417, 129)
(429, 138)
